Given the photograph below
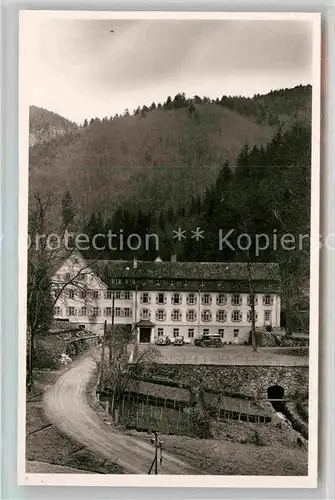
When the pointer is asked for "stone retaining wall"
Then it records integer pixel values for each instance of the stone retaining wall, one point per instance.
(246, 380)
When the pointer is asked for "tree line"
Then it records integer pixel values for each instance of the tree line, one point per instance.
(270, 108)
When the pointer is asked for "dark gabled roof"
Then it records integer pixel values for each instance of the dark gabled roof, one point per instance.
(223, 271)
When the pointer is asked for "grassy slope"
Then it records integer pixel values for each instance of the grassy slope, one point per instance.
(232, 458)
(47, 450)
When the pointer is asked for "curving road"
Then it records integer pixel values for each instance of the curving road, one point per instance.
(66, 405)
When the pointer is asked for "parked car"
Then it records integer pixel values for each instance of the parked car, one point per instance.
(209, 341)
(179, 340)
(163, 340)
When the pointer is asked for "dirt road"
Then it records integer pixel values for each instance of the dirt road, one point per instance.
(66, 405)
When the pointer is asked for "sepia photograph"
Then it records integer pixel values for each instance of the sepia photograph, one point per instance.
(169, 241)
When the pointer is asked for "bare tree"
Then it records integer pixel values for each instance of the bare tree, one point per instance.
(45, 256)
(120, 371)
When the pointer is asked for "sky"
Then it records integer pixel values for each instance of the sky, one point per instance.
(79, 69)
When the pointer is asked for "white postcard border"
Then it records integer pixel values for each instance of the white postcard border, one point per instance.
(202, 481)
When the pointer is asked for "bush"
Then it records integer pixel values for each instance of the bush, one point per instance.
(75, 348)
(258, 439)
(200, 421)
(46, 356)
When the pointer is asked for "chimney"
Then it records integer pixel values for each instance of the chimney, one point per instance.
(174, 258)
(135, 263)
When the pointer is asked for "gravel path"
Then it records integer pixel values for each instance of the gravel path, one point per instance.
(66, 406)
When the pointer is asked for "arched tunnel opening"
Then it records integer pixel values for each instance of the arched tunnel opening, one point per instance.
(275, 393)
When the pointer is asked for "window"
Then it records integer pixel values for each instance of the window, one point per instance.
(221, 315)
(160, 298)
(96, 311)
(176, 332)
(206, 315)
(267, 300)
(185, 282)
(176, 299)
(127, 296)
(108, 311)
(267, 315)
(145, 314)
(236, 316)
(236, 299)
(221, 299)
(191, 298)
(160, 332)
(96, 294)
(118, 295)
(83, 311)
(191, 315)
(221, 332)
(255, 300)
(191, 333)
(172, 282)
(236, 332)
(67, 276)
(118, 311)
(205, 331)
(145, 298)
(117, 281)
(158, 282)
(249, 316)
(109, 294)
(206, 298)
(71, 294)
(72, 311)
(127, 312)
(160, 315)
(176, 314)
(57, 311)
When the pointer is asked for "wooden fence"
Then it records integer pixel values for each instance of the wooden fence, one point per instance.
(145, 412)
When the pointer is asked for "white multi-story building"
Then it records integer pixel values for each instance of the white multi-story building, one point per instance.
(169, 298)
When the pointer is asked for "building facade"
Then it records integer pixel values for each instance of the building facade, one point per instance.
(169, 298)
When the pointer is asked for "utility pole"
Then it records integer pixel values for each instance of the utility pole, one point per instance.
(112, 330)
(103, 353)
(158, 448)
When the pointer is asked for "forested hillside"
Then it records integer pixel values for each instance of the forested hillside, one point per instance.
(268, 192)
(45, 125)
(159, 155)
